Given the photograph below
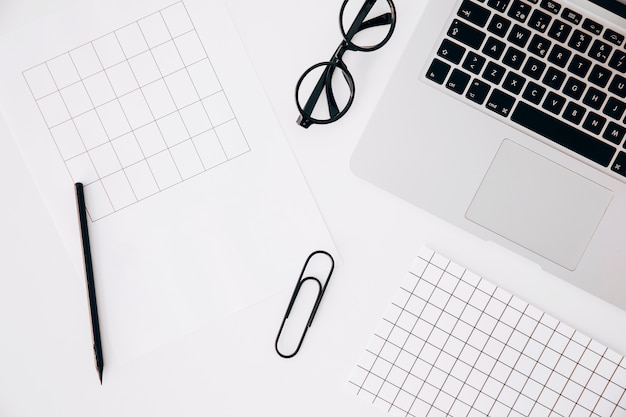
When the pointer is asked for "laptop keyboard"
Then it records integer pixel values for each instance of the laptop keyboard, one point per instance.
(544, 66)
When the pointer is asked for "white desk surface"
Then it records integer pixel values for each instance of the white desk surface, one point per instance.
(231, 369)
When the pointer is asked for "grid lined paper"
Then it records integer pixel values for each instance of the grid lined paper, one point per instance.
(137, 111)
(454, 344)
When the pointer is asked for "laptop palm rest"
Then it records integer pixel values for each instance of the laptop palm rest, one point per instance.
(539, 205)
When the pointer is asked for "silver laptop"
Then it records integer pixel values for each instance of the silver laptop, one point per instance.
(506, 118)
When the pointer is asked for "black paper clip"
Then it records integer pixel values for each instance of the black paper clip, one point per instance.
(294, 296)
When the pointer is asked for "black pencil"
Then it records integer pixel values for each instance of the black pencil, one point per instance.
(91, 288)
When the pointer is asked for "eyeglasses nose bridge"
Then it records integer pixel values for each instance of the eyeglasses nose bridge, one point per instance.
(339, 52)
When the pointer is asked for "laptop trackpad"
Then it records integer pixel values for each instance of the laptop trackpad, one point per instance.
(539, 205)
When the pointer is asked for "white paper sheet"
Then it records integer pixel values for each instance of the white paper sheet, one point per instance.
(198, 208)
(454, 344)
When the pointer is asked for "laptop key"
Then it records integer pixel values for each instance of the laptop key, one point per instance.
(494, 48)
(458, 81)
(438, 71)
(500, 103)
(474, 62)
(574, 88)
(478, 91)
(614, 133)
(534, 68)
(563, 134)
(534, 93)
(619, 165)
(539, 45)
(494, 73)
(614, 108)
(514, 58)
(559, 56)
(593, 27)
(499, 5)
(539, 20)
(519, 36)
(618, 86)
(554, 78)
(594, 98)
(466, 34)
(499, 25)
(559, 31)
(599, 76)
(600, 51)
(451, 51)
(594, 123)
(580, 41)
(613, 37)
(572, 16)
(519, 11)
(514, 83)
(554, 103)
(579, 66)
(574, 113)
(618, 61)
(474, 13)
(551, 6)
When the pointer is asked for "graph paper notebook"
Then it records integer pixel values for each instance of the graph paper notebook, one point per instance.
(454, 344)
(192, 191)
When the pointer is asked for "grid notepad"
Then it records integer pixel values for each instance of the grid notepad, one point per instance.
(137, 110)
(452, 343)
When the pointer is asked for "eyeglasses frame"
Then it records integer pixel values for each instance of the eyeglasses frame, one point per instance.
(336, 62)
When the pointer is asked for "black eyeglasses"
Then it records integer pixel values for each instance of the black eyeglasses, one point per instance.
(339, 90)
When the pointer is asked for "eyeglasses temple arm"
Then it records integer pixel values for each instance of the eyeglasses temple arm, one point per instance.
(325, 80)
(359, 19)
(383, 19)
(333, 109)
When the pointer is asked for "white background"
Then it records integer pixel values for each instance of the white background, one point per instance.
(46, 364)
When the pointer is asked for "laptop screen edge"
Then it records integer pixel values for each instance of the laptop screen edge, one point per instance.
(616, 6)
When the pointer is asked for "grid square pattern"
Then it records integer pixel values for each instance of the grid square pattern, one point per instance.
(454, 344)
(137, 110)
